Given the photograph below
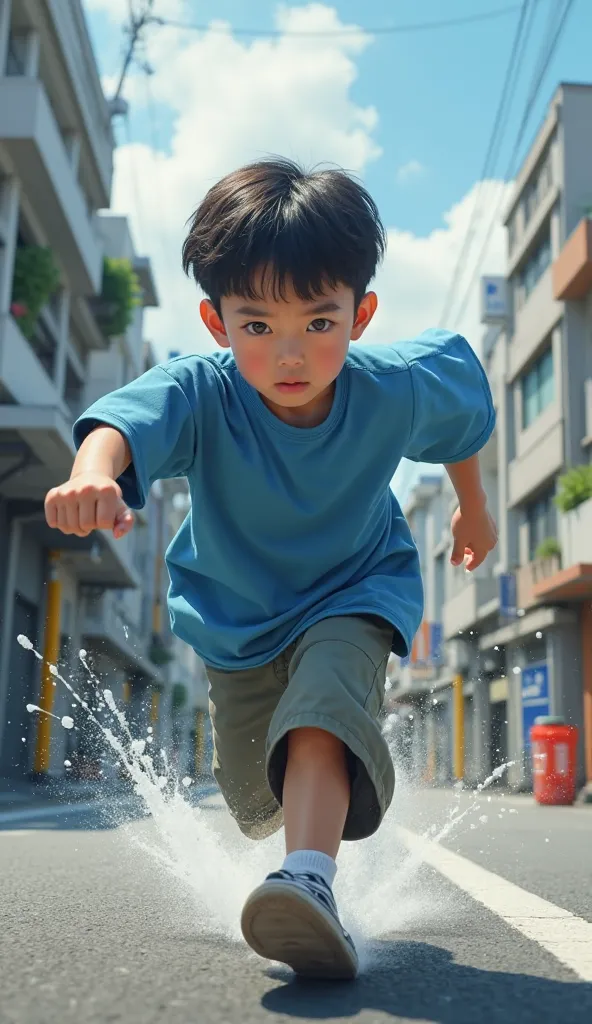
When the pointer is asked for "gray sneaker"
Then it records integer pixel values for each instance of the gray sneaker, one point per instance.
(293, 918)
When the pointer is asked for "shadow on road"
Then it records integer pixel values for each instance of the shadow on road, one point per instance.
(417, 981)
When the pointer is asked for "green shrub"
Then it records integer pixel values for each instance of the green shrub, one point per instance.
(120, 294)
(575, 487)
(36, 278)
(549, 548)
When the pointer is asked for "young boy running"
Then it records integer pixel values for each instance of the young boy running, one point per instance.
(295, 575)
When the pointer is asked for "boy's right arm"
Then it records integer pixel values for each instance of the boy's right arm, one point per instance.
(91, 499)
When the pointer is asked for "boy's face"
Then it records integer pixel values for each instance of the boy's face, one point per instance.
(291, 350)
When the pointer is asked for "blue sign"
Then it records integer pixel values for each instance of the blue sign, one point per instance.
(535, 696)
(507, 595)
(436, 639)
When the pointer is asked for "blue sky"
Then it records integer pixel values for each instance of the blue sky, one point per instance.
(435, 92)
(411, 113)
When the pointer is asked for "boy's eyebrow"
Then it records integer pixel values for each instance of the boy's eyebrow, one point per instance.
(320, 307)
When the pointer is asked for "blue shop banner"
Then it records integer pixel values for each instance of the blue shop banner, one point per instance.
(535, 696)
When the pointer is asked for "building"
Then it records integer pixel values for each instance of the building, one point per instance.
(63, 343)
(518, 632)
(544, 381)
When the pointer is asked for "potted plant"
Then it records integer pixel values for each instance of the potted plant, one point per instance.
(120, 294)
(575, 487)
(36, 277)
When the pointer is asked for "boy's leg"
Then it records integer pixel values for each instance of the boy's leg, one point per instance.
(329, 765)
(242, 704)
(316, 791)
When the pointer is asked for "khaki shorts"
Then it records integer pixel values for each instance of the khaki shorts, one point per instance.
(331, 678)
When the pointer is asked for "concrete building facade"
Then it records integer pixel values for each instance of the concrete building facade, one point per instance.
(518, 632)
(56, 357)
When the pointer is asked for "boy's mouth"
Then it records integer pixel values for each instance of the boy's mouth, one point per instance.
(292, 387)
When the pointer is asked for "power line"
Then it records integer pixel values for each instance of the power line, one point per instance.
(513, 69)
(382, 30)
(538, 77)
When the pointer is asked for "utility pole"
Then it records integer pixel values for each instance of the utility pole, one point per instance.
(134, 29)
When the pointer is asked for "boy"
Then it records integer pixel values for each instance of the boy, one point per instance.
(295, 575)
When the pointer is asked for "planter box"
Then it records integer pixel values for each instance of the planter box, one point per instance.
(575, 534)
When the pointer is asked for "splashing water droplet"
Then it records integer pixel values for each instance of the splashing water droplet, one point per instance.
(539, 635)
(68, 764)
(150, 730)
(187, 781)
(68, 722)
(484, 819)
(32, 707)
(24, 642)
(516, 670)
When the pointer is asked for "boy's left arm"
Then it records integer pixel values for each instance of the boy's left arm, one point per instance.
(474, 532)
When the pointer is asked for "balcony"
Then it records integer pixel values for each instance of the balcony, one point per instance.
(531, 579)
(533, 324)
(469, 605)
(105, 630)
(22, 371)
(539, 455)
(549, 582)
(572, 270)
(71, 31)
(31, 136)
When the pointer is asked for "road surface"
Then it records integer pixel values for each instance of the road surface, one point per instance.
(96, 927)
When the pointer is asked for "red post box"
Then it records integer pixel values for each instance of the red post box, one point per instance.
(554, 760)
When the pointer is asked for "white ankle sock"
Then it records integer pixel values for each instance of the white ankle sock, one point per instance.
(302, 861)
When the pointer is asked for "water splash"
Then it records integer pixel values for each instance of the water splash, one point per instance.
(380, 886)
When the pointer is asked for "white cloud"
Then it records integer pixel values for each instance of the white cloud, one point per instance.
(233, 101)
(413, 282)
(407, 172)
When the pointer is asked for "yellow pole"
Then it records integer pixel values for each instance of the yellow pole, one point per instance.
(458, 707)
(126, 692)
(199, 740)
(51, 650)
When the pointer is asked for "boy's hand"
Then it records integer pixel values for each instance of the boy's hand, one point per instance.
(87, 502)
(474, 534)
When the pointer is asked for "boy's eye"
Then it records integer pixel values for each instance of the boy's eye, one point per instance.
(256, 327)
(321, 324)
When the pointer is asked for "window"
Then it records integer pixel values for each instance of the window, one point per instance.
(541, 519)
(538, 388)
(535, 266)
(536, 189)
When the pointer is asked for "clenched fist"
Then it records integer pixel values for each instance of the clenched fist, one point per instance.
(89, 501)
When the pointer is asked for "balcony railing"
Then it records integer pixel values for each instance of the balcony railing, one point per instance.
(527, 577)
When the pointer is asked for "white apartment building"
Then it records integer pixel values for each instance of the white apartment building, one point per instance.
(64, 592)
(518, 632)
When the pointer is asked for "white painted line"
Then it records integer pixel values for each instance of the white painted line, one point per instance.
(567, 937)
(15, 832)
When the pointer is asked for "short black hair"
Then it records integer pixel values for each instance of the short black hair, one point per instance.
(315, 229)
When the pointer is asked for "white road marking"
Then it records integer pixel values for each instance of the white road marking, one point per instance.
(15, 832)
(567, 937)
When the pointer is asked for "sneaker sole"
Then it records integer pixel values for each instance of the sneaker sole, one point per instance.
(280, 922)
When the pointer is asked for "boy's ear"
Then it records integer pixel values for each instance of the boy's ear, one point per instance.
(366, 311)
(213, 323)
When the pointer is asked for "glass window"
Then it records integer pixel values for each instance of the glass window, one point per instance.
(541, 519)
(538, 388)
(536, 265)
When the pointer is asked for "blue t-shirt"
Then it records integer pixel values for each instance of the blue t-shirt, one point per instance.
(289, 525)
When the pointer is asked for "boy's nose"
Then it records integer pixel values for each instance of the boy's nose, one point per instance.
(291, 355)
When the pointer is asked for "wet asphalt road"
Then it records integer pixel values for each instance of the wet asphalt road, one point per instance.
(93, 929)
